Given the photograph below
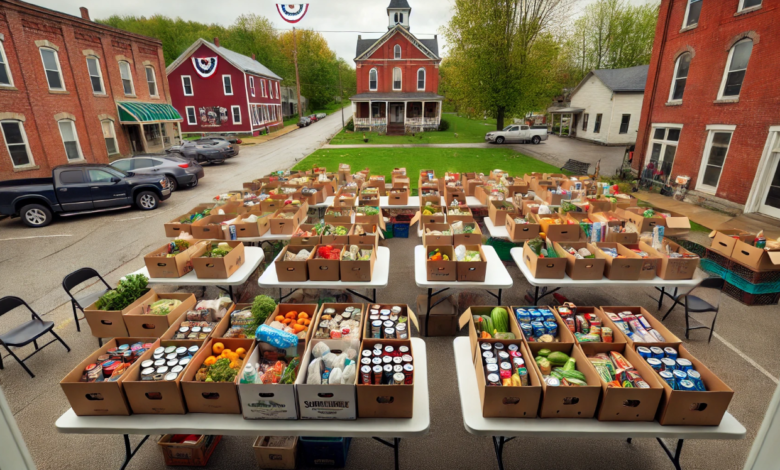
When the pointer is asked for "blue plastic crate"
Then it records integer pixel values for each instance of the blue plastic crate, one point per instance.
(401, 230)
(325, 451)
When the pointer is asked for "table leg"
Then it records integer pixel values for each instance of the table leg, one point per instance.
(371, 299)
(282, 297)
(130, 454)
(676, 458)
(498, 446)
(230, 292)
(428, 311)
(395, 445)
(499, 296)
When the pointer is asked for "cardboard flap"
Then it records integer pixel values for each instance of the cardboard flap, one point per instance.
(464, 318)
(412, 317)
(415, 219)
(678, 222)
(774, 257)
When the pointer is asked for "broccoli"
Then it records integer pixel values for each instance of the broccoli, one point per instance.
(221, 371)
(262, 307)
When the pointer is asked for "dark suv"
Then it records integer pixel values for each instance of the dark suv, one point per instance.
(198, 152)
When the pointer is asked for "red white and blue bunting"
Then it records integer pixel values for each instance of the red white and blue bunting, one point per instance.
(205, 66)
(292, 13)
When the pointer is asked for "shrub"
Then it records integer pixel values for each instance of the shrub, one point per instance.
(444, 125)
(351, 126)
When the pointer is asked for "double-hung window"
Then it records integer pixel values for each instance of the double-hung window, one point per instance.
(585, 121)
(597, 125)
(262, 89)
(421, 79)
(372, 80)
(736, 68)
(110, 136)
(252, 86)
(681, 68)
(192, 118)
(396, 78)
(5, 71)
(127, 77)
(95, 75)
(236, 110)
(227, 85)
(70, 139)
(151, 80)
(51, 65)
(186, 85)
(745, 4)
(692, 13)
(16, 143)
(624, 122)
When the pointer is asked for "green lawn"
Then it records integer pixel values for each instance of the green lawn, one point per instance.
(381, 161)
(467, 130)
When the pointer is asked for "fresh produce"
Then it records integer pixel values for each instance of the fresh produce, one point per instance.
(218, 250)
(558, 358)
(293, 322)
(299, 232)
(127, 291)
(541, 249)
(582, 253)
(500, 319)
(328, 252)
(222, 366)
(437, 255)
(368, 210)
(328, 229)
(174, 248)
(354, 253)
(163, 306)
(196, 216)
(262, 307)
(484, 325)
(559, 369)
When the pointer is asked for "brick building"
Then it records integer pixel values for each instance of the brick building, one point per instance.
(76, 91)
(712, 110)
(397, 78)
(219, 90)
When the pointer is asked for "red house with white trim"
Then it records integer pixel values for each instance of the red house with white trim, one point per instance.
(397, 79)
(219, 90)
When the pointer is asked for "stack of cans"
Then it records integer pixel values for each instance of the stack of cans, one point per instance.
(501, 362)
(109, 366)
(676, 371)
(167, 363)
(388, 322)
(386, 365)
(194, 330)
(536, 323)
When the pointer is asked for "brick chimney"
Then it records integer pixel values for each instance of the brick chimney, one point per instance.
(253, 56)
(85, 13)
(216, 42)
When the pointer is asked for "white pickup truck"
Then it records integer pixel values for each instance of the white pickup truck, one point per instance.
(517, 133)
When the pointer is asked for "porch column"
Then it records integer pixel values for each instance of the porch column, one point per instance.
(387, 113)
(143, 138)
(440, 103)
(571, 122)
(178, 127)
(404, 113)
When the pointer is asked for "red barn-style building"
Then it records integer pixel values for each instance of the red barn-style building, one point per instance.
(219, 90)
(711, 110)
(397, 79)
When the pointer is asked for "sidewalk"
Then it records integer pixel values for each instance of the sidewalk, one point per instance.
(700, 215)
(265, 138)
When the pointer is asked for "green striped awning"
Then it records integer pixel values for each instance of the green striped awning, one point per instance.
(138, 112)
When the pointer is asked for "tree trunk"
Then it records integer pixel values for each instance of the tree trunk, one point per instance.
(500, 118)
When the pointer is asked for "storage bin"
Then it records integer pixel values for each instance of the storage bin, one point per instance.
(401, 230)
(325, 451)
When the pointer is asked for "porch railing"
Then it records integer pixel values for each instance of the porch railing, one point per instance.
(370, 121)
(422, 121)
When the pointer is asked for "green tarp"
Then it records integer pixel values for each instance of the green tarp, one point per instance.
(136, 111)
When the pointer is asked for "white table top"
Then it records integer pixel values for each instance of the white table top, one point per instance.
(378, 279)
(236, 425)
(474, 423)
(496, 232)
(328, 202)
(497, 276)
(254, 256)
(517, 256)
(266, 237)
(473, 202)
(412, 203)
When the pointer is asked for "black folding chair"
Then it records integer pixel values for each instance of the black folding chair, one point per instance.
(26, 333)
(697, 305)
(78, 277)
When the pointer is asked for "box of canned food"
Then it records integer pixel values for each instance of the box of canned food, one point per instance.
(385, 388)
(541, 325)
(639, 327)
(589, 324)
(389, 322)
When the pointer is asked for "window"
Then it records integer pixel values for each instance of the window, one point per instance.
(397, 52)
(151, 79)
(277, 89)
(141, 163)
(72, 177)
(401, 15)
(585, 122)
(396, 78)
(681, 68)
(372, 80)
(110, 136)
(270, 89)
(395, 18)
(663, 147)
(692, 13)
(100, 176)
(715, 152)
(227, 85)
(95, 77)
(252, 85)
(127, 77)
(70, 139)
(737, 63)
(262, 88)
(375, 110)
(51, 65)
(191, 118)
(186, 85)
(16, 142)
(236, 114)
(126, 164)
(745, 4)
(597, 126)
(624, 120)
(421, 79)
(5, 71)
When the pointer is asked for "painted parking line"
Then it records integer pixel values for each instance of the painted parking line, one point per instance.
(747, 358)
(37, 236)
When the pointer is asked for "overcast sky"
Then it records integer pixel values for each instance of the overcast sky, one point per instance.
(362, 16)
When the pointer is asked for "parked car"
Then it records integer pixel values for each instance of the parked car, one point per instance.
(313, 117)
(321, 116)
(517, 133)
(219, 143)
(304, 121)
(80, 189)
(229, 137)
(179, 171)
(199, 153)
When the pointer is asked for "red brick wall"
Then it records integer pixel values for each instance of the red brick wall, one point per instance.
(409, 63)
(759, 101)
(22, 25)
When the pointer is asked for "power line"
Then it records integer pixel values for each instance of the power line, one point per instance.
(361, 32)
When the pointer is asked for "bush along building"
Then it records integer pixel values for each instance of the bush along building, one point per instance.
(397, 79)
(711, 112)
(219, 90)
(74, 91)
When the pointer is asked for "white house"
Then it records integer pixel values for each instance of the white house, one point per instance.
(606, 106)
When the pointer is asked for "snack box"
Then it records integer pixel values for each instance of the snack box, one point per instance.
(520, 232)
(111, 323)
(266, 401)
(429, 239)
(336, 401)
(544, 268)
(398, 197)
(358, 270)
(324, 269)
(441, 270)
(141, 324)
(293, 271)
(219, 268)
(313, 240)
(723, 241)
(628, 268)
(474, 238)
(175, 227)
(585, 269)
(385, 401)
(159, 265)
(617, 336)
(473, 271)
(611, 314)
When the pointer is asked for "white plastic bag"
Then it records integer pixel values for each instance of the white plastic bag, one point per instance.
(314, 373)
(349, 374)
(320, 349)
(460, 252)
(335, 377)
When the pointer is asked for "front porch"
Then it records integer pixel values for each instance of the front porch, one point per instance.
(396, 117)
(150, 127)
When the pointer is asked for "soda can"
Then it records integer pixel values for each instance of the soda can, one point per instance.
(679, 376)
(522, 315)
(376, 329)
(686, 385)
(551, 327)
(487, 354)
(695, 377)
(365, 375)
(513, 348)
(668, 378)
(669, 364)
(538, 329)
(399, 379)
(655, 364)
(657, 352)
(503, 357)
(490, 360)
(498, 346)
(387, 374)
(523, 373)
(644, 352)
(377, 376)
(527, 329)
(494, 380)
(670, 352)
(408, 373)
(684, 364)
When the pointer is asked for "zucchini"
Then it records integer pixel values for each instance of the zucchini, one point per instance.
(487, 324)
(570, 364)
(573, 374)
(544, 352)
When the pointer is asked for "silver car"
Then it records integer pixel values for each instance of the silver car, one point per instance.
(178, 170)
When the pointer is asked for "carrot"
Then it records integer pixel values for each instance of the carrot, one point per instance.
(303, 315)
(292, 315)
(298, 328)
(279, 318)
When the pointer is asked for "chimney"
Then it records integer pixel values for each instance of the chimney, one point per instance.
(253, 56)
(216, 42)
(85, 13)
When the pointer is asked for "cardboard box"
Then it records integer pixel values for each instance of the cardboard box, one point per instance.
(369, 199)
(170, 333)
(324, 269)
(611, 219)
(470, 186)
(634, 215)
(358, 270)
(627, 404)
(337, 239)
(516, 186)
(344, 215)
(530, 206)
(585, 269)
(267, 401)
(671, 339)
(211, 228)
(337, 401)
(676, 224)
(398, 197)
(444, 316)
(271, 205)
(620, 269)
(441, 270)
(245, 229)
(650, 264)
(430, 239)
(401, 182)
(757, 259)
(544, 268)
(498, 211)
(454, 193)
(140, 324)
(160, 265)
(689, 408)
(474, 238)
(550, 197)
(467, 215)
(309, 241)
(111, 323)
(567, 402)
(723, 241)
(193, 455)
(362, 218)
(293, 271)
(674, 268)
(564, 335)
(175, 227)
(617, 338)
(275, 457)
(100, 398)
(345, 200)
(219, 268)
(385, 401)
(473, 271)
(213, 397)
(156, 397)
(624, 238)
(438, 216)
(406, 311)
(369, 237)
(339, 308)
(285, 226)
(560, 232)
(521, 232)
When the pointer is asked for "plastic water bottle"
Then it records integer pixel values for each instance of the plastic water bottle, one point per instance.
(249, 376)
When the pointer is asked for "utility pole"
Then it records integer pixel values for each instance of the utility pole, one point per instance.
(297, 78)
(341, 97)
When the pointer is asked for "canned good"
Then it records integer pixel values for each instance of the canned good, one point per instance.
(170, 356)
(523, 373)
(147, 374)
(656, 364)
(551, 327)
(195, 329)
(538, 329)
(385, 311)
(394, 318)
(487, 354)
(606, 334)
(103, 358)
(398, 360)
(518, 362)
(686, 385)
(123, 347)
(403, 349)
(147, 363)
(366, 361)
(503, 356)
(376, 360)
(127, 356)
(207, 330)
(181, 351)
(656, 352)
(408, 373)
(522, 315)
(490, 360)
(668, 378)
(527, 329)
(644, 352)
(377, 375)
(171, 349)
(684, 364)
(399, 378)
(498, 346)
(486, 347)
(162, 370)
(401, 332)
(159, 362)
(493, 380)
(387, 360)
(177, 369)
(389, 333)
(384, 318)
(366, 353)
(377, 352)
(365, 374)
(94, 372)
(388, 324)
(491, 368)
(505, 370)
(695, 377)
(171, 376)
(158, 377)
(379, 346)
(172, 362)
(387, 374)
(670, 352)
(679, 376)
(184, 361)
(396, 309)
(376, 329)
(669, 364)
(407, 358)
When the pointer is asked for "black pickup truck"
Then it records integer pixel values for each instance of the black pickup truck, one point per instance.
(79, 189)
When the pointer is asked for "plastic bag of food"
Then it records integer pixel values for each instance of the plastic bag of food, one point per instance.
(460, 252)
(335, 377)
(235, 332)
(330, 360)
(544, 209)
(320, 349)
(301, 256)
(314, 373)
(348, 377)
(457, 227)
(274, 337)
(198, 315)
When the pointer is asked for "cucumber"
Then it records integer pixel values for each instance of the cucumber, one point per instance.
(570, 364)
(487, 324)
(544, 352)
(573, 374)
(558, 358)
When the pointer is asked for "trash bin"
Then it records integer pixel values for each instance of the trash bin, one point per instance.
(401, 230)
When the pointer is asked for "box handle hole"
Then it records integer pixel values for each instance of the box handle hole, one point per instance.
(210, 396)
(325, 395)
(154, 395)
(265, 395)
(631, 403)
(385, 400)
(94, 396)
(698, 406)
(511, 400)
(571, 400)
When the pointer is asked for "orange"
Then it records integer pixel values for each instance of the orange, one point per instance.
(218, 348)
(241, 352)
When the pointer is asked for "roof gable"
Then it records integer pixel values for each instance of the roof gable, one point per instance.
(366, 47)
(239, 61)
(628, 80)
